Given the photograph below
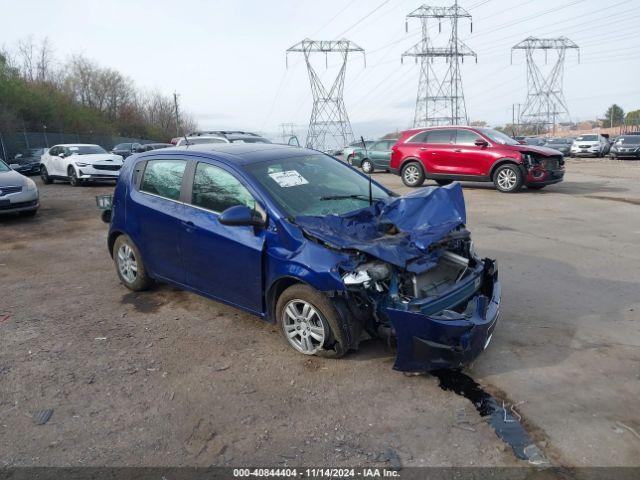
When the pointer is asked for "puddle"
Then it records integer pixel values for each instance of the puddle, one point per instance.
(143, 303)
(498, 414)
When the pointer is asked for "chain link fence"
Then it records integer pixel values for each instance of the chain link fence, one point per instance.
(14, 143)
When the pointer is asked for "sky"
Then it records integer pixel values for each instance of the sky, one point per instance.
(226, 58)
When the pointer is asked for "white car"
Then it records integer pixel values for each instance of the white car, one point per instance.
(77, 162)
(590, 145)
(185, 141)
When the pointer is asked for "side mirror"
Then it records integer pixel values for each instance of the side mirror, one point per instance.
(481, 143)
(19, 155)
(241, 215)
(61, 155)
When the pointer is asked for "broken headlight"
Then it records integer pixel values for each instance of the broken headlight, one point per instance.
(367, 273)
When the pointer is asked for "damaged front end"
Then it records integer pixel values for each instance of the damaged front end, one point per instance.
(417, 278)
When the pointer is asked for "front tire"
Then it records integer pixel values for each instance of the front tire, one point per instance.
(44, 175)
(413, 175)
(310, 323)
(508, 178)
(367, 166)
(129, 265)
(74, 181)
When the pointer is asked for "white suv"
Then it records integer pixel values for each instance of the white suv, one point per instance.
(78, 162)
(590, 145)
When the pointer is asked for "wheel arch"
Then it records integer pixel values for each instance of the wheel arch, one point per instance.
(504, 161)
(274, 291)
(412, 160)
(111, 240)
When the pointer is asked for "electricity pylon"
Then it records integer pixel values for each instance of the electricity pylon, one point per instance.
(440, 102)
(545, 102)
(329, 124)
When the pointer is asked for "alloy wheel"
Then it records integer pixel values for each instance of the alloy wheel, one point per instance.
(127, 263)
(507, 179)
(367, 167)
(303, 326)
(411, 174)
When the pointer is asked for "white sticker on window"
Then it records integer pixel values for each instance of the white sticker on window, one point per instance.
(290, 178)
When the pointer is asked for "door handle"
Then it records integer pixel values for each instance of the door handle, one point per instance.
(188, 225)
(424, 148)
(457, 150)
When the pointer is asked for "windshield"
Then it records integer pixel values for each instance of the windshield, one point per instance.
(314, 185)
(630, 140)
(86, 149)
(123, 146)
(558, 141)
(587, 138)
(4, 167)
(498, 137)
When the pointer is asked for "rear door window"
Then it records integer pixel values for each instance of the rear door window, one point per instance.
(441, 136)
(216, 189)
(163, 178)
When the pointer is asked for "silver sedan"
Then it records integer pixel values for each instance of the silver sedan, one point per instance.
(18, 194)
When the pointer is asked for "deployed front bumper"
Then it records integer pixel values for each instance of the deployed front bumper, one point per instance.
(448, 339)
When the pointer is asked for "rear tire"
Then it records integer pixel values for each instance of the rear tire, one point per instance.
(508, 178)
(129, 265)
(413, 175)
(367, 166)
(319, 333)
(442, 183)
(44, 175)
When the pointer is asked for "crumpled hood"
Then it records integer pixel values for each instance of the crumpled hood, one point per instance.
(546, 151)
(397, 230)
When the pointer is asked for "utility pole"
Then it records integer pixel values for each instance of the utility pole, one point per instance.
(545, 96)
(329, 123)
(175, 105)
(440, 102)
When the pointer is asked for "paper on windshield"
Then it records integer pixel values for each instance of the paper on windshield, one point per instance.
(290, 178)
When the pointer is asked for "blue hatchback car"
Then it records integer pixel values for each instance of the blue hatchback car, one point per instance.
(309, 243)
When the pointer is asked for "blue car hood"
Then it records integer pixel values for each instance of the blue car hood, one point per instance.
(397, 230)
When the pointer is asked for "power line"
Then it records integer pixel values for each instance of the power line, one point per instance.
(364, 18)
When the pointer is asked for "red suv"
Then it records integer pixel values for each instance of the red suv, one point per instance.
(445, 154)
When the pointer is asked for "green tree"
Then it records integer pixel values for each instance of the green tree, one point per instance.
(614, 116)
(633, 118)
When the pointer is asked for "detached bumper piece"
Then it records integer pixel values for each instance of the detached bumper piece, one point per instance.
(448, 339)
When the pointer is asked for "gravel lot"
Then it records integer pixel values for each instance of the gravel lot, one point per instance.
(168, 378)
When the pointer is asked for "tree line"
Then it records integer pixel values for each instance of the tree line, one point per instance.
(39, 92)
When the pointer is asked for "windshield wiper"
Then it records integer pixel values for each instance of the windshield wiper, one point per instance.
(341, 197)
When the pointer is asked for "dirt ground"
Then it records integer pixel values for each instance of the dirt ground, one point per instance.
(167, 378)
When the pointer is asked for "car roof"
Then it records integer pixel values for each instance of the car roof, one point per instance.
(238, 153)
